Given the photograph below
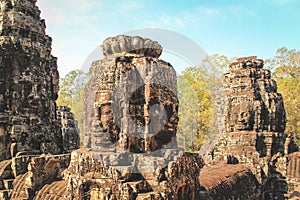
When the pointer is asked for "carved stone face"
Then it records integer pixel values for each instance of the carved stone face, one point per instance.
(106, 116)
(241, 118)
(133, 97)
(149, 118)
(138, 115)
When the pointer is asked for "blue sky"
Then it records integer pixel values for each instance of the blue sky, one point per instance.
(233, 28)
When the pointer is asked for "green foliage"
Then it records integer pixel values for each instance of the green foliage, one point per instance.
(221, 62)
(196, 87)
(71, 94)
(196, 84)
(193, 95)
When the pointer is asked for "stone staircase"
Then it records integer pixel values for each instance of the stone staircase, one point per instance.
(6, 179)
(20, 189)
(21, 177)
(55, 191)
(11, 187)
(275, 187)
(143, 189)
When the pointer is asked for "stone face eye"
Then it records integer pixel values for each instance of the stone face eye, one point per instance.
(108, 112)
(105, 109)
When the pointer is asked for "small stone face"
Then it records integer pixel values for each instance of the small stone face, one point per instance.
(106, 116)
(241, 118)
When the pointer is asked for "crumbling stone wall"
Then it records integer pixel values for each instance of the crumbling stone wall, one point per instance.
(22, 176)
(28, 83)
(42, 170)
(289, 167)
(88, 178)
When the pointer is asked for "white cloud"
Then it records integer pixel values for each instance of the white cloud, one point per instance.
(58, 12)
(175, 22)
(241, 11)
(130, 6)
(217, 12)
(80, 5)
(200, 17)
(52, 13)
(208, 11)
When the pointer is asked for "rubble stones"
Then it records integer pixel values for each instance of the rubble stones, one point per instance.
(224, 181)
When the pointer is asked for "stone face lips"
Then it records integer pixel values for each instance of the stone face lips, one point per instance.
(28, 83)
(134, 97)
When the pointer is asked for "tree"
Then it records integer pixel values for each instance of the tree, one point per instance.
(71, 94)
(196, 93)
(221, 62)
(194, 106)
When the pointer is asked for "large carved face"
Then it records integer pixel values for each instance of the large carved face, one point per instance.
(137, 115)
(240, 118)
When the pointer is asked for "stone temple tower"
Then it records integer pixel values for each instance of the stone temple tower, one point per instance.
(28, 82)
(255, 122)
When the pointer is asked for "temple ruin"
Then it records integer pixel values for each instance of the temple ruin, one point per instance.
(131, 118)
(29, 83)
